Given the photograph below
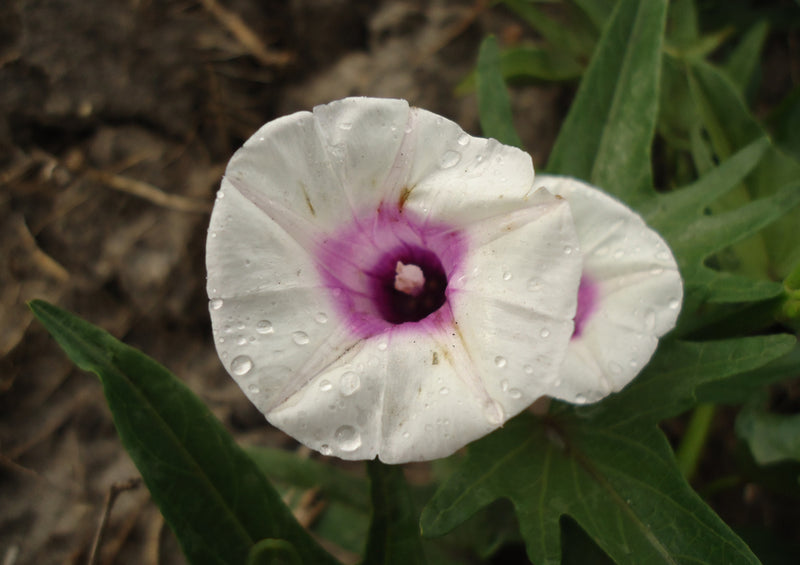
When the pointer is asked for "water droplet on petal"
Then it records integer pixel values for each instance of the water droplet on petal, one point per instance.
(545, 333)
(463, 139)
(241, 365)
(345, 126)
(493, 412)
(300, 338)
(580, 399)
(406, 435)
(504, 386)
(444, 391)
(674, 303)
(321, 317)
(382, 346)
(655, 271)
(528, 369)
(348, 438)
(568, 250)
(500, 361)
(264, 327)
(662, 255)
(325, 449)
(506, 276)
(220, 195)
(325, 385)
(515, 393)
(241, 340)
(349, 383)
(449, 159)
(216, 303)
(254, 389)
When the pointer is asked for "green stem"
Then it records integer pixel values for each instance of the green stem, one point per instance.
(691, 447)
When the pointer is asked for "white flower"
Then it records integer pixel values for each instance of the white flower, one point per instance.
(630, 293)
(381, 283)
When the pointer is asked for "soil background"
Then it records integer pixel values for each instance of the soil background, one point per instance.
(116, 121)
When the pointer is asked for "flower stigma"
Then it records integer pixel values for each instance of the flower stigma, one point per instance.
(409, 279)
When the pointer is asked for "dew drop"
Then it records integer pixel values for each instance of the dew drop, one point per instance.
(528, 369)
(241, 365)
(325, 449)
(449, 159)
(321, 317)
(500, 361)
(325, 385)
(349, 383)
(580, 399)
(382, 346)
(515, 393)
(568, 250)
(264, 327)
(504, 386)
(254, 389)
(240, 326)
(674, 303)
(300, 338)
(493, 413)
(662, 255)
(506, 276)
(348, 438)
(220, 195)
(545, 333)
(406, 435)
(345, 126)
(216, 303)
(241, 340)
(463, 139)
(655, 271)
(444, 391)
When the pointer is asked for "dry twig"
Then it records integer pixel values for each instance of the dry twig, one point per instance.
(111, 496)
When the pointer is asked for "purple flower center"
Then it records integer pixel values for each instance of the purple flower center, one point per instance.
(389, 270)
(587, 304)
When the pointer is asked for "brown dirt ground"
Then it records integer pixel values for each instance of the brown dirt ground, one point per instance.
(116, 121)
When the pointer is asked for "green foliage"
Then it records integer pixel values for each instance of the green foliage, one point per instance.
(606, 136)
(493, 101)
(596, 483)
(211, 493)
(394, 532)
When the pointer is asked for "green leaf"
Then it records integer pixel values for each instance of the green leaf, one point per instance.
(608, 467)
(494, 105)
(286, 467)
(772, 438)
(730, 127)
(743, 61)
(570, 35)
(607, 134)
(210, 492)
(598, 11)
(526, 63)
(394, 531)
(682, 27)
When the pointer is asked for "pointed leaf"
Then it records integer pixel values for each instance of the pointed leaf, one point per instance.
(743, 62)
(607, 134)
(211, 493)
(608, 467)
(394, 531)
(494, 105)
(772, 438)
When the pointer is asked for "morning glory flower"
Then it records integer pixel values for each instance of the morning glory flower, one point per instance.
(630, 293)
(383, 284)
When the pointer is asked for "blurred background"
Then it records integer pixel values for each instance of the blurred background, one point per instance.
(116, 121)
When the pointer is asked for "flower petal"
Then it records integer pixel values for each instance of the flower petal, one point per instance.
(457, 178)
(638, 292)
